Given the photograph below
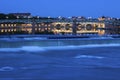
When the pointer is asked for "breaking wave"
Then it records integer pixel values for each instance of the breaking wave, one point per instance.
(89, 56)
(39, 48)
(7, 68)
(32, 49)
(19, 39)
(9, 49)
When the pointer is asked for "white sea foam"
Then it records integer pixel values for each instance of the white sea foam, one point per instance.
(9, 49)
(19, 39)
(60, 47)
(39, 48)
(81, 46)
(36, 38)
(100, 45)
(89, 56)
(32, 49)
(6, 68)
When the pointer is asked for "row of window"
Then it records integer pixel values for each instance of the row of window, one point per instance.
(50, 29)
(7, 30)
(7, 25)
(10, 25)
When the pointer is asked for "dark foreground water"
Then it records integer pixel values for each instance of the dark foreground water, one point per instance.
(86, 59)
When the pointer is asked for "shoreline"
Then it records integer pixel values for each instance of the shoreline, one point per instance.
(60, 36)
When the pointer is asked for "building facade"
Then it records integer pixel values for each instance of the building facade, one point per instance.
(57, 27)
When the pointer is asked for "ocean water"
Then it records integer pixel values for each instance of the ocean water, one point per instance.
(80, 59)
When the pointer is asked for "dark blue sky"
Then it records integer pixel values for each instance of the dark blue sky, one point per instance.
(66, 8)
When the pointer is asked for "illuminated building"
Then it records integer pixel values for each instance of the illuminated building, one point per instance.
(58, 26)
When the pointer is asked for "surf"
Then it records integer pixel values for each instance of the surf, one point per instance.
(68, 47)
(88, 57)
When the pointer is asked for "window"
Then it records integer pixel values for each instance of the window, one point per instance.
(14, 29)
(2, 30)
(11, 24)
(5, 25)
(5, 30)
(2, 25)
(8, 30)
(14, 24)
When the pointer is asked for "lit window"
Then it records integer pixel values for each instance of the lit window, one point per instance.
(2, 30)
(8, 30)
(5, 30)
(42, 29)
(5, 25)
(42, 24)
(14, 24)
(45, 28)
(49, 25)
(2, 25)
(8, 24)
(14, 29)
(36, 29)
(29, 25)
(11, 24)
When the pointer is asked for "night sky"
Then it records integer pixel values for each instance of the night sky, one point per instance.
(66, 8)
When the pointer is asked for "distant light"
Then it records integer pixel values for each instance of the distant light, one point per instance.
(118, 18)
(89, 17)
(59, 17)
(17, 17)
(7, 17)
(79, 17)
(29, 16)
(38, 16)
(69, 17)
(49, 17)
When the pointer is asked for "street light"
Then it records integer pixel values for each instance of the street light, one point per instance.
(38, 18)
(7, 17)
(7, 24)
(49, 17)
(29, 18)
(17, 18)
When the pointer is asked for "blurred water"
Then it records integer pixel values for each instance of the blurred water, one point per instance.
(82, 59)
